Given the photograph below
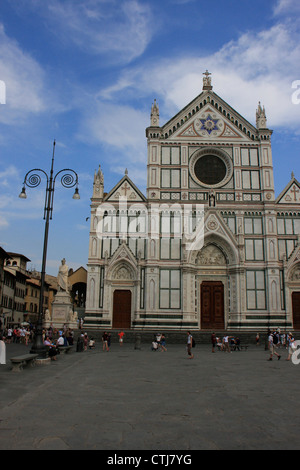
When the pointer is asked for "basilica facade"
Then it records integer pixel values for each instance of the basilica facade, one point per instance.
(209, 247)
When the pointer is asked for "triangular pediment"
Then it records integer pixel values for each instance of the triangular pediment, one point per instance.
(212, 230)
(209, 124)
(122, 264)
(125, 188)
(207, 118)
(290, 194)
(215, 224)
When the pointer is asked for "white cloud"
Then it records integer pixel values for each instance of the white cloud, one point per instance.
(287, 6)
(117, 126)
(25, 82)
(256, 67)
(120, 30)
(3, 222)
(6, 175)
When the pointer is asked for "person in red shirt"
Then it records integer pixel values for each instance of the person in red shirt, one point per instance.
(121, 337)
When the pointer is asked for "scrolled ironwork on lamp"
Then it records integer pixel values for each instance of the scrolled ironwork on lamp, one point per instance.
(69, 179)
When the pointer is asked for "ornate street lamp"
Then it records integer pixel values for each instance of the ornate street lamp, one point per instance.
(69, 179)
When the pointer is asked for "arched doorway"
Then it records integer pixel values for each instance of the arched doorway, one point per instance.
(296, 310)
(122, 309)
(212, 275)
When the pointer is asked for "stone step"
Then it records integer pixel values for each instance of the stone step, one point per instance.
(173, 337)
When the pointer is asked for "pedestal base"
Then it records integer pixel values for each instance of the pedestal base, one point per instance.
(62, 312)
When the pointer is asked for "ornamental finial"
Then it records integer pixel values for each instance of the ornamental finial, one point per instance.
(207, 80)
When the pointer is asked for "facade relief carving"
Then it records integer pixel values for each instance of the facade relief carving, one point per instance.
(211, 256)
(295, 275)
(122, 272)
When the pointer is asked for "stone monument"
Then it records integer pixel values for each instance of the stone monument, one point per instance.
(62, 308)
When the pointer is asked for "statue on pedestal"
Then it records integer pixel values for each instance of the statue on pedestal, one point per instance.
(62, 277)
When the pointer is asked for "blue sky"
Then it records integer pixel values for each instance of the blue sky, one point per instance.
(86, 73)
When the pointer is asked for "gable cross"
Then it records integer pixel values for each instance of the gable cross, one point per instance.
(125, 188)
(295, 191)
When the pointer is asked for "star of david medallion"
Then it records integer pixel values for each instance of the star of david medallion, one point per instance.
(209, 124)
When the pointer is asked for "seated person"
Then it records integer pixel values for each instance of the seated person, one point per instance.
(60, 341)
(52, 352)
(47, 341)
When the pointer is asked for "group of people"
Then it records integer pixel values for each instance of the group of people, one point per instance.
(18, 334)
(53, 338)
(228, 343)
(277, 340)
(159, 342)
(54, 344)
(84, 342)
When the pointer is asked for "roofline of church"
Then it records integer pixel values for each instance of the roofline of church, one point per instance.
(224, 104)
(120, 182)
(287, 187)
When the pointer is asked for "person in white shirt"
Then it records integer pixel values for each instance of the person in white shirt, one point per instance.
(9, 335)
(60, 341)
(226, 346)
(189, 345)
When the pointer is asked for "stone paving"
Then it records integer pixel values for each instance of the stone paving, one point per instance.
(128, 399)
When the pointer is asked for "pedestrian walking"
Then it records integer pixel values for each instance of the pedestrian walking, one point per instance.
(190, 345)
(291, 346)
(121, 337)
(163, 343)
(272, 346)
(105, 341)
(85, 341)
(213, 342)
(9, 335)
(79, 347)
(225, 344)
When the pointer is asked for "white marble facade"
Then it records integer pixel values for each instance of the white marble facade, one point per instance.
(209, 173)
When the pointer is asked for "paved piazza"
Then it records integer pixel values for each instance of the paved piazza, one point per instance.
(130, 399)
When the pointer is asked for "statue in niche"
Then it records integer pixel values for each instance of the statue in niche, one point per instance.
(211, 198)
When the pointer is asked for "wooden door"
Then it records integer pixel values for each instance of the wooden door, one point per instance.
(122, 309)
(296, 310)
(212, 305)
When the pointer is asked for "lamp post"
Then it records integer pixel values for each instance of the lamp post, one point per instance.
(69, 179)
